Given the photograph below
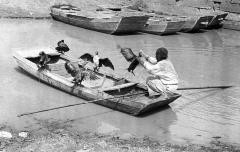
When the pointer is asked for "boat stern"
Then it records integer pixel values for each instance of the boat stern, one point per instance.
(158, 103)
(131, 24)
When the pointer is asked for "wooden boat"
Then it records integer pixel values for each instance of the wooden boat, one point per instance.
(217, 21)
(195, 23)
(218, 16)
(156, 24)
(232, 22)
(163, 25)
(105, 21)
(192, 22)
(215, 17)
(232, 25)
(110, 91)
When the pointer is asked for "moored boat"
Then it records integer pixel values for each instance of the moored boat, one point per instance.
(107, 90)
(195, 23)
(217, 21)
(218, 16)
(232, 22)
(105, 21)
(156, 24)
(232, 25)
(163, 25)
(192, 22)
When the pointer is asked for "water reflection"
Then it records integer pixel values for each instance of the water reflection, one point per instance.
(208, 114)
(201, 59)
(137, 126)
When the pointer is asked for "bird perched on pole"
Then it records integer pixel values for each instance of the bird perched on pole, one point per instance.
(98, 62)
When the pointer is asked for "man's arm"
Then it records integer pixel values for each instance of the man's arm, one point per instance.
(151, 60)
(147, 57)
(150, 67)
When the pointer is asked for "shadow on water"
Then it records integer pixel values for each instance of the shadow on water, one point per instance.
(155, 111)
(203, 95)
(88, 116)
(163, 35)
(22, 71)
(197, 31)
(126, 34)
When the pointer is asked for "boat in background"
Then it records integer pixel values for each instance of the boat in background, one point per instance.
(105, 21)
(156, 24)
(199, 20)
(218, 16)
(232, 25)
(192, 22)
(163, 25)
(232, 22)
(106, 90)
(195, 23)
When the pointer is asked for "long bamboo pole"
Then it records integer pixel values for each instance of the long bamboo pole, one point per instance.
(92, 101)
(206, 87)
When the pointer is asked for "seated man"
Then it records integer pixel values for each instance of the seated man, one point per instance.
(44, 59)
(62, 47)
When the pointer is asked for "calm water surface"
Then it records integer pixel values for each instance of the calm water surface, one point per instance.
(202, 59)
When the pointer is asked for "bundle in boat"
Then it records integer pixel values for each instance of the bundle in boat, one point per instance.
(130, 57)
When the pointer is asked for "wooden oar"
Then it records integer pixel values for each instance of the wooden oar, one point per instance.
(92, 101)
(207, 87)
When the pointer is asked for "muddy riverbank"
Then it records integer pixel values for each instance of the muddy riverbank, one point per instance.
(57, 136)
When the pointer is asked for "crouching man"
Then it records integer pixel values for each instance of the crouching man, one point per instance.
(163, 77)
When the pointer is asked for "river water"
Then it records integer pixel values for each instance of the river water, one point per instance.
(208, 58)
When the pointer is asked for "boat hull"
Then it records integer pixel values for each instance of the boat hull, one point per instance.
(136, 105)
(232, 25)
(195, 24)
(114, 25)
(217, 21)
(163, 27)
